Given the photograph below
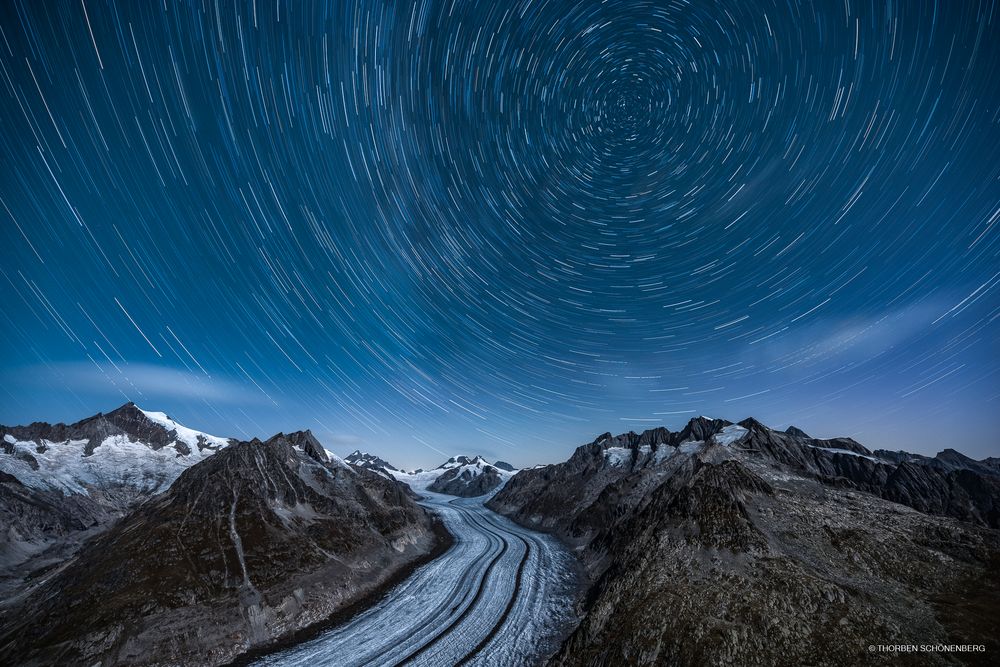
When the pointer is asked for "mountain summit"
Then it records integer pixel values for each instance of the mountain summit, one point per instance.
(369, 461)
(126, 449)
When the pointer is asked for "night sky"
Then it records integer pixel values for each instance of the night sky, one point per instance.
(499, 227)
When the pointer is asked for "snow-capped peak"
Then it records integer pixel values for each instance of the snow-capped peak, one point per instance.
(129, 449)
(458, 461)
(188, 436)
(368, 461)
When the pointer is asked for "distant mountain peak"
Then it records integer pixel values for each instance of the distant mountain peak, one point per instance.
(795, 431)
(127, 448)
(470, 476)
(369, 461)
(456, 461)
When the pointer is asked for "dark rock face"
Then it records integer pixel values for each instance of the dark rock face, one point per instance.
(949, 484)
(503, 465)
(734, 544)
(600, 483)
(368, 461)
(30, 519)
(254, 542)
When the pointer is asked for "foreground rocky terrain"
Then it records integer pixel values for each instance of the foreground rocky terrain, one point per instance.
(250, 544)
(738, 544)
(130, 539)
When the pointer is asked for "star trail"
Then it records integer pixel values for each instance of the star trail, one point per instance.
(504, 227)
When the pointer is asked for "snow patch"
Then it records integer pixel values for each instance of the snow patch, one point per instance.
(729, 435)
(834, 450)
(336, 460)
(186, 435)
(618, 457)
(691, 446)
(117, 461)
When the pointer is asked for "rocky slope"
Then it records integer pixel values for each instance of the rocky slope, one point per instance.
(32, 519)
(737, 544)
(257, 541)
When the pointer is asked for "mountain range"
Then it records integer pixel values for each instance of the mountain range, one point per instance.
(61, 479)
(127, 538)
(733, 543)
(464, 476)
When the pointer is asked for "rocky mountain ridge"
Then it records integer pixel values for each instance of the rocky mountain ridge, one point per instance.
(369, 461)
(128, 448)
(733, 543)
(469, 477)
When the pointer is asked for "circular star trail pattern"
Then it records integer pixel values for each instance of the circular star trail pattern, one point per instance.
(504, 225)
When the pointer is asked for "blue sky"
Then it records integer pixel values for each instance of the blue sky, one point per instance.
(502, 228)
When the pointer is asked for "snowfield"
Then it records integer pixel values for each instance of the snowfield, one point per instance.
(730, 434)
(502, 595)
(117, 461)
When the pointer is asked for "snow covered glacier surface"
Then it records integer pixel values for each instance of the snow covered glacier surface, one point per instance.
(502, 595)
(117, 461)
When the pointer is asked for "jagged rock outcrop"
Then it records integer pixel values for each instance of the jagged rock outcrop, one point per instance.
(257, 541)
(624, 465)
(369, 461)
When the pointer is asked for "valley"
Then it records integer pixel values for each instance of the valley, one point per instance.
(502, 595)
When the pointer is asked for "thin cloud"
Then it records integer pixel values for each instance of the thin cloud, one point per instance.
(133, 381)
(843, 340)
